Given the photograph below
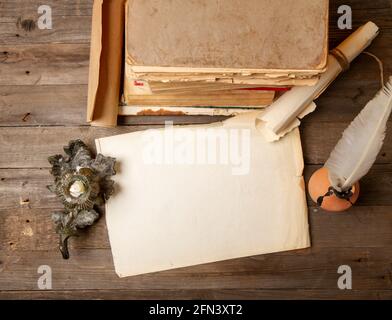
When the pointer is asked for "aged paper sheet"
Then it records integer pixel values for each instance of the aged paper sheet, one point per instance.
(169, 212)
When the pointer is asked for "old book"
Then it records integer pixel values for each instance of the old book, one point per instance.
(138, 94)
(183, 111)
(200, 86)
(178, 87)
(231, 99)
(227, 36)
(212, 41)
(178, 60)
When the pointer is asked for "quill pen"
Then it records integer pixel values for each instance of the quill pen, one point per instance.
(357, 150)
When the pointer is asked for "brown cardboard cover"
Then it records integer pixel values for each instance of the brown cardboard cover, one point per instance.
(106, 56)
(252, 34)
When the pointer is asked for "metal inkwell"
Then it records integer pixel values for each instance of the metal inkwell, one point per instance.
(83, 184)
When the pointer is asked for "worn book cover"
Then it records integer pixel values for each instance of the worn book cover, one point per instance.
(228, 34)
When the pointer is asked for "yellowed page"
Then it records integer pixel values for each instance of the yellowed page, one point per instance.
(172, 210)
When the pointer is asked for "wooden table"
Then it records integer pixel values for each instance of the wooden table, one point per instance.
(43, 86)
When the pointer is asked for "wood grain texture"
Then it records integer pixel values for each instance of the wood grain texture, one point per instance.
(48, 64)
(16, 8)
(66, 29)
(203, 294)
(43, 87)
(369, 228)
(43, 105)
(26, 188)
(316, 268)
(29, 147)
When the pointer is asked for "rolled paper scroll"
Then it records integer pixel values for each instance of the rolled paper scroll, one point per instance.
(282, 116)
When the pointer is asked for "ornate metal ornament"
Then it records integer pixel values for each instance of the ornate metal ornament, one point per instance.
(83, 184)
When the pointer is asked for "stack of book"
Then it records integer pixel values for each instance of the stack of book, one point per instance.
(221, 56)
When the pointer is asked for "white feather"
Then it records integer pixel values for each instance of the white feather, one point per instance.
(357, 150)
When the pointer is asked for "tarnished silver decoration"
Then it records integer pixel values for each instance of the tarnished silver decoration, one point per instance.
(83, 184)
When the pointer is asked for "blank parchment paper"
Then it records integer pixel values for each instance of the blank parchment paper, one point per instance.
(168, 215)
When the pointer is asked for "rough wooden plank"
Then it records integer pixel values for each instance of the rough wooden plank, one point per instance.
(358, 227)
(11, 11)
(27, 229)
(210, 294)
(26, 206)
(319, 139)
(377, 11)
(66, 104)
(65, 29)
(53, 62)
(83, 7)
(30, 147)
(43, 105)
(309, 269)
(32, 230)
(341, 102)
(16, 8)
(71, 22)
(49, 64)
(65, 14)
(26, 188)
(348, 95)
